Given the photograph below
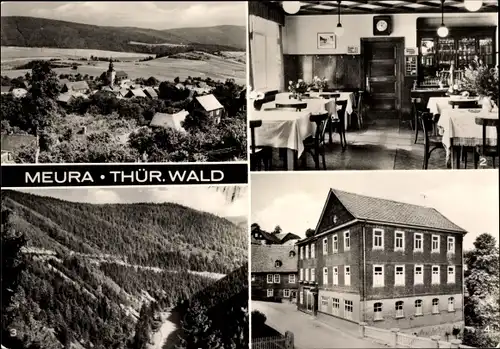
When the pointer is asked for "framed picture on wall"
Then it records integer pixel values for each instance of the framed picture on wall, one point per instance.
(326, 40)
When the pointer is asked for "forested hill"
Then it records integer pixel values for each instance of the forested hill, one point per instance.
(26, 31)
(168, 236)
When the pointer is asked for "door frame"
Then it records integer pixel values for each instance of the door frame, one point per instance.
(400, 66)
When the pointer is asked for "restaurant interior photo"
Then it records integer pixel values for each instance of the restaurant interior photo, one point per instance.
(373, 85)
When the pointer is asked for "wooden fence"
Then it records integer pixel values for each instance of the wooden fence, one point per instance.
(276, 342)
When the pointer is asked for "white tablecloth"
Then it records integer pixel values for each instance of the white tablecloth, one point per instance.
(458, 126)
(436, 105)
(283, 128)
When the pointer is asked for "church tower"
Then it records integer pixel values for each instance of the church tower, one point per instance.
(111, 74)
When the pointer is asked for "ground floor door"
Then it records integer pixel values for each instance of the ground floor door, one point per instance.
(309, 301)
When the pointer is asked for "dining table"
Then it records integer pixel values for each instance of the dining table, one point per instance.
(459, 129)
(287, 128)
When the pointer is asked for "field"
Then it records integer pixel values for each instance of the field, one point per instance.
(215, 67)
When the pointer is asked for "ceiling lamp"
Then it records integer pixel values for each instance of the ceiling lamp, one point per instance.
(291, 7)
(473, 5)
(442, 31)
(339, 31)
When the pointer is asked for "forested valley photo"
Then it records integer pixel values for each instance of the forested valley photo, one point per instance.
(121, 275)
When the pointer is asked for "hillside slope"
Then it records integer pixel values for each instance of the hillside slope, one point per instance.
(157, 235)
(26, 32)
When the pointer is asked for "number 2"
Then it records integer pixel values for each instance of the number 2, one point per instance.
(482, 161)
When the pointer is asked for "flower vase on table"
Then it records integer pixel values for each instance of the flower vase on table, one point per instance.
(483, 81)
(297, 89)
(319, 84)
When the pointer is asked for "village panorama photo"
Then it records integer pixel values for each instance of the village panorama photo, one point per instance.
(107, 82)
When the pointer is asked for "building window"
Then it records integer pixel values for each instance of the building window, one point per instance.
(435, 244)
(418, 242)
(313, 275)
(301, 297)
(278, 264)
(313, 251)
(307, 274)
(276, 278)
(378, 276)
(399, 278)
(291, 278)
(435, 306)
(399, 309)
(451, 274)
(301, 252)
(347, 275)
(253, 278)
(325, 246)
(324, 304)
(291, 254)
(418, 307)
(348, 309)
(301, 276)
(286, 293)
(269, 278)
(451, 304)
(336, 306)
(325, 276)
(378, 239)
(435, 275)
(399, 240)
(335, 243)
(335, 275)
(377, 311)
(347, 241)
(270, 292)
(307, 252)
(451, 244)
(419, 274)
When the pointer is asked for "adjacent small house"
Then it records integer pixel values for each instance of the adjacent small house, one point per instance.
(65, 98)
(76, 86)
(169, 120)
(120, 76)
(150, 92)
(274, 273)
(209, 105)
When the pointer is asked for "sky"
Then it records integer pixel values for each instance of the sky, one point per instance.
(201, 198)
(294, 201)
(143, 14)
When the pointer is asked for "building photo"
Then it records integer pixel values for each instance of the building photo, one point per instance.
(379, 262)
(373, 85)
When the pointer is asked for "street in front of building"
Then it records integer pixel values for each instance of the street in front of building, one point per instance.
(309, 333)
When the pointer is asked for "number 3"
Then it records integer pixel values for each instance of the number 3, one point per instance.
(482, 161)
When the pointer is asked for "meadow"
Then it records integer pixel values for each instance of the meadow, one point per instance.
(227, 66)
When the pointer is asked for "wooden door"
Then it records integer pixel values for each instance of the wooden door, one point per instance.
(383, 69)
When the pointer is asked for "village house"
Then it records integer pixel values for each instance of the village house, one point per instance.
(65, 98)
(75, 86)
(137, 92)
(150, 92)
(12, 143)
(169, 120)
(210, 106)
(274, 273)
(385, 263)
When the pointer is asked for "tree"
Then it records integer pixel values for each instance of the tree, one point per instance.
(482, 305)
(277, 230)
(196, 329)
(309, 232)
(142, 329)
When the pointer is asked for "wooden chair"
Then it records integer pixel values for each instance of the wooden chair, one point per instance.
(417, 109)
(315, 146)
(269, 96)
(339, 123)
(297, 106)
(487, 150)
(431, 142)
(463, 104)
(358, 113)
(258, 154)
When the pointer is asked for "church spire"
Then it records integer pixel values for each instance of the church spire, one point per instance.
(110, 65)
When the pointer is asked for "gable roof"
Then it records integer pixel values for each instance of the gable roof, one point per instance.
(291, 236)
(383, 210)
(169, 120)
(77, 85)
(137, 92)
(15, 142)
(121, 74)
(150, 92)
(209, 102)
(265, 256)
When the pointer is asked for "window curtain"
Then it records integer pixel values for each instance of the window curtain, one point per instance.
(265, 53)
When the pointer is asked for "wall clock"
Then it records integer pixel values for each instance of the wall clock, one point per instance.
(382, 25)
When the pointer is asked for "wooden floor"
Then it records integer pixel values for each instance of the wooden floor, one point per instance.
(381, 146)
